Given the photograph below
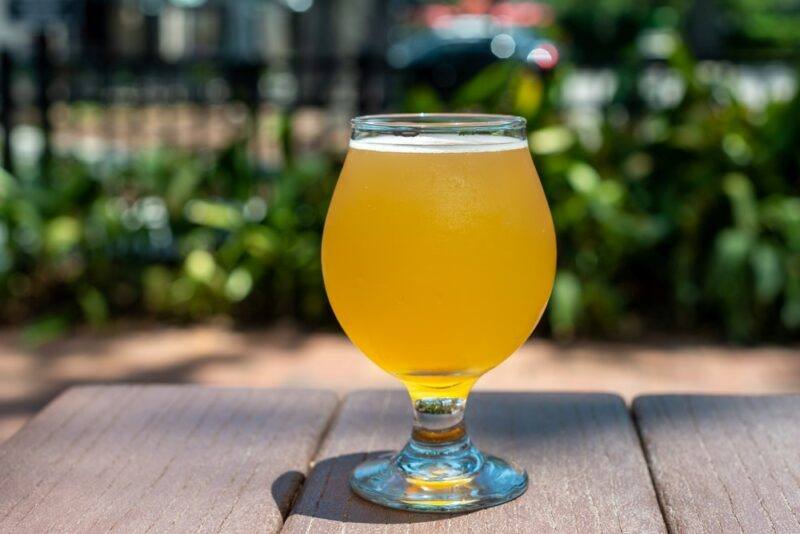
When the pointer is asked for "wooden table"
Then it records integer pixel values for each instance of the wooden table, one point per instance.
(198, 459)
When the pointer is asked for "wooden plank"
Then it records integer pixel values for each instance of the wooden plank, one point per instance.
(581, 451)
(161, 459)
(724, 463)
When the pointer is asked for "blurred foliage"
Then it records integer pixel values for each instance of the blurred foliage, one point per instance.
(606, 31)
(679, 216)
(769, 25)
(172, 235)
(675, 212)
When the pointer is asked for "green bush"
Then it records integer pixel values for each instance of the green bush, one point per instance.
(683, 217)
(675, 218)
(170, 235)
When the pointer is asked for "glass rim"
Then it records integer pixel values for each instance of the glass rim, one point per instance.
(404, 123)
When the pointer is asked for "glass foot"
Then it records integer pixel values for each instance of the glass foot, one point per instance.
(456, 477)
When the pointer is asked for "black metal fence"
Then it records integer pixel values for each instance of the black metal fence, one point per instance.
(194, 104)
(95, 95)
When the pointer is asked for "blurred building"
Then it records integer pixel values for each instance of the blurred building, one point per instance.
(341, 57)
(346, 56)
(178, 29)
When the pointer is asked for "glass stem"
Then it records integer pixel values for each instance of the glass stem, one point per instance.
(439, 421)
(439, 448)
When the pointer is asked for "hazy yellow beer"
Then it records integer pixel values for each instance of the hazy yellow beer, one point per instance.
(438, 255)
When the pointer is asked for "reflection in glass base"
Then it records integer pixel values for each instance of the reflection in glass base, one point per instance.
(453, 478)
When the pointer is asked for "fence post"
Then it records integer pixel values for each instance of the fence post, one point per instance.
(43, 96)
(6, 109)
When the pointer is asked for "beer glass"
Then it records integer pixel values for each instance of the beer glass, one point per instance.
(438, 256)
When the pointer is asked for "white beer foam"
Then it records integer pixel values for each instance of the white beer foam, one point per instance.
(439, 143)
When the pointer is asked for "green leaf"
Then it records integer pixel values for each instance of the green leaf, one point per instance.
(62, 234)
(8, 185)
(528, 94)
(423, 99)
(45, 330)
(239, 284)
(583, 178)
(782, 213)
(551, 140)
(485, 86)
(201, 266)
(213, 214)
(181, 188)
(94, 306)
(261, 243)
(156, 282)
(732, 248)
(768, 268)
(565, 304)
(740, 193)
(790, 314)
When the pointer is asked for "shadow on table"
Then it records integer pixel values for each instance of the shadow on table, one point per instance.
(23, 407)
(525, 427)
(326, 495)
